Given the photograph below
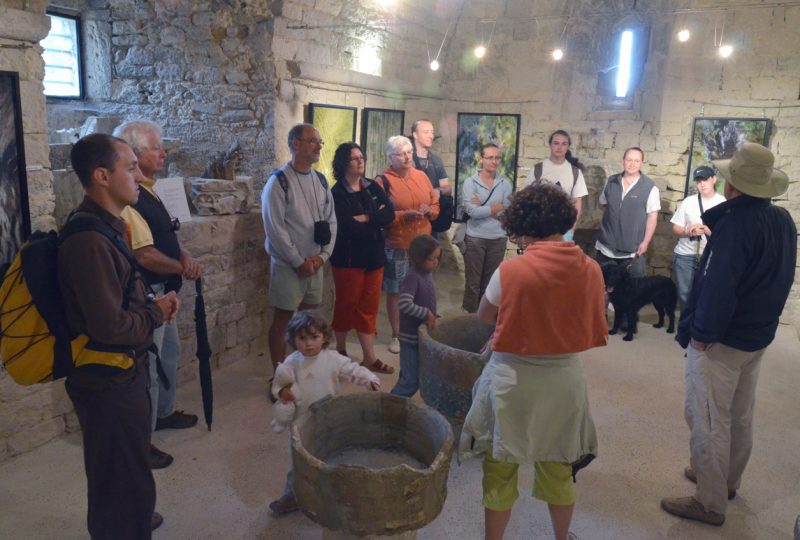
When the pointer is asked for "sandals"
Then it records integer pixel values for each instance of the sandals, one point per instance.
(379, 367)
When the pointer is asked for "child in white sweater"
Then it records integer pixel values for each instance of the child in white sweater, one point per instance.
(307, 375)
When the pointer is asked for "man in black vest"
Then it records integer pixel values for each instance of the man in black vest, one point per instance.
(630, 202)
(164, 263)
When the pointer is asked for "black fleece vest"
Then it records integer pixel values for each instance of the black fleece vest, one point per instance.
(624, 220)
(164, 238)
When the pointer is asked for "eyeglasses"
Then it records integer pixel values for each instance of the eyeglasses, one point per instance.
(492, 158)
(401, 154)
(313, 141)
(359, 158)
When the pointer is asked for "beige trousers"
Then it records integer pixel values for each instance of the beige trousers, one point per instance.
(720, 397)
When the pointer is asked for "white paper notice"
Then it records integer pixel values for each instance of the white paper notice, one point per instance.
(172, 194)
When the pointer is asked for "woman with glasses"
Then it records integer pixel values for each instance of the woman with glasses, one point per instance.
(564, 170)
(485, 195)
(362, 210)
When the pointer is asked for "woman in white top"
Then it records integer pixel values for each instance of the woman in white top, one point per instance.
(687, 224)
(562, 169)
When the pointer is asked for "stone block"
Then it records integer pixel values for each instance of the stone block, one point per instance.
(32, 437)
(59, 155)
(230, 335)
(626, 126)
(240, 115)
(129, 71)
(234, 101)
(237, 77)
(231, 313)
(220, 197)
(100, 124)
(780, 88)
(172, 36)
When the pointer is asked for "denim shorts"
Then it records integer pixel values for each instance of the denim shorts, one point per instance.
(395, 270)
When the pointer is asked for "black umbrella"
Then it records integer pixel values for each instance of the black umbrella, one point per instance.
(203, 353)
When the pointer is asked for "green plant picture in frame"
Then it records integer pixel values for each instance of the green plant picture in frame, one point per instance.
(477, 129)
(377, 125)
(336, 125)
(719, 138)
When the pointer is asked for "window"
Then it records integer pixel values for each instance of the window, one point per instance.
(625, 57)
(62, 65)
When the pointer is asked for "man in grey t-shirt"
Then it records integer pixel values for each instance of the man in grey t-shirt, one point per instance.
(295, 206)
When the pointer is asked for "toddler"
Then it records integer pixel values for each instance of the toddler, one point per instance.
(417, 306)
(309, 374)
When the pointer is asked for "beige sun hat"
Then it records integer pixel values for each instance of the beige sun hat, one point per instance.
(750, 171)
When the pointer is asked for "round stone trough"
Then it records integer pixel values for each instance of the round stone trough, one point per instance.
(450, 362)
(371, 464)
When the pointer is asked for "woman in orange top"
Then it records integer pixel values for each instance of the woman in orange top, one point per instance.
(416, 204)
(530, 404)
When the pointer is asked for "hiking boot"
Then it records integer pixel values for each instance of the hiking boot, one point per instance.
(394, 345)
(177, 420)
(285, 505)
(690, 508)
(689, 474)
(159, 459)
(156, 521)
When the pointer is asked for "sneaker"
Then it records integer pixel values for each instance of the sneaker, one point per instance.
(177, 420)
(156, 520)
(690, 508)
(689, 474)
(159, 459)
(394, 345)
(285, 505)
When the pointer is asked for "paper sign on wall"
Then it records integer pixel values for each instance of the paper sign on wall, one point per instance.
(173, 195)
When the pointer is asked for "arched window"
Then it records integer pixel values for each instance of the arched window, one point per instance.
(625, 60)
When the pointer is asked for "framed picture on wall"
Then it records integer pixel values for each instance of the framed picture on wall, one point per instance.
(477, 129)
(377, 125)
(15, 220)
(719, 138)
(336, 125)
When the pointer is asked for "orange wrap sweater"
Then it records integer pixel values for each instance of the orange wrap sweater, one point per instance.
(407, 194)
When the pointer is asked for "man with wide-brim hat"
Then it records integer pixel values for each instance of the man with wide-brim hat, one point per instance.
(730, 318)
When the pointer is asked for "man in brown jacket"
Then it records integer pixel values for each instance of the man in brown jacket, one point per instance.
(111, 403)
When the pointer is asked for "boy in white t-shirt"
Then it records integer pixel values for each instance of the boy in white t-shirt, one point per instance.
(562, 169)
(687, 224)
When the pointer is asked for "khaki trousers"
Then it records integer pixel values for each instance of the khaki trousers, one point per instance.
(720, 398)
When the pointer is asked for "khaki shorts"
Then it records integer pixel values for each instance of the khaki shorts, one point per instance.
(287, 290)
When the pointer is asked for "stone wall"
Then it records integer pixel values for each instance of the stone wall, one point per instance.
(231, 249)
(202, 70)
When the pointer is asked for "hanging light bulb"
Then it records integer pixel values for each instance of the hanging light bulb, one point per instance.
(480, 51)
(684, 35)
(435, 65)
(725, 50)
(557, 54)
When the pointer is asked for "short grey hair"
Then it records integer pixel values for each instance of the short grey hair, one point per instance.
(135, 134)
(296, 132)
(395, 142)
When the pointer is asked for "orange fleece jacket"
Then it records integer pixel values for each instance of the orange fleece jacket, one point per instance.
(408, 194)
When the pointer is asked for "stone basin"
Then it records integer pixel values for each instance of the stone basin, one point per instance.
(450, 362)
(361, 500)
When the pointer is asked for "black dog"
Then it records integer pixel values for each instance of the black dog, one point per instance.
(630, 294)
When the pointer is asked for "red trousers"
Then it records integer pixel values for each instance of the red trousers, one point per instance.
(358, 298)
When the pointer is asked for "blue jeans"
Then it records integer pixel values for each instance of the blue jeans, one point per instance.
(408, 381)
(683, 267)
(165, 337)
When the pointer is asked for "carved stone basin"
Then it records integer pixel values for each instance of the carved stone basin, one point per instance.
(450, 362)
(344, 493)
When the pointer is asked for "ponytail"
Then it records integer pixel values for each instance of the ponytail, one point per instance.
(575, 162)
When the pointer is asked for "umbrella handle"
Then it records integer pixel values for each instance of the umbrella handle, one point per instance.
(198, 286)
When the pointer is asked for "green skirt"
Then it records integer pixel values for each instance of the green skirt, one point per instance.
(528, 409)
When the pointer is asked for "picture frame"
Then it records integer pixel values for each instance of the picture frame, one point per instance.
(336, 125)
(377, 125)
(477, 129)
(15, 220)
(718, 138)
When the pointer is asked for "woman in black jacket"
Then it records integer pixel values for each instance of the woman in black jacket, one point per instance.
(362, 210)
